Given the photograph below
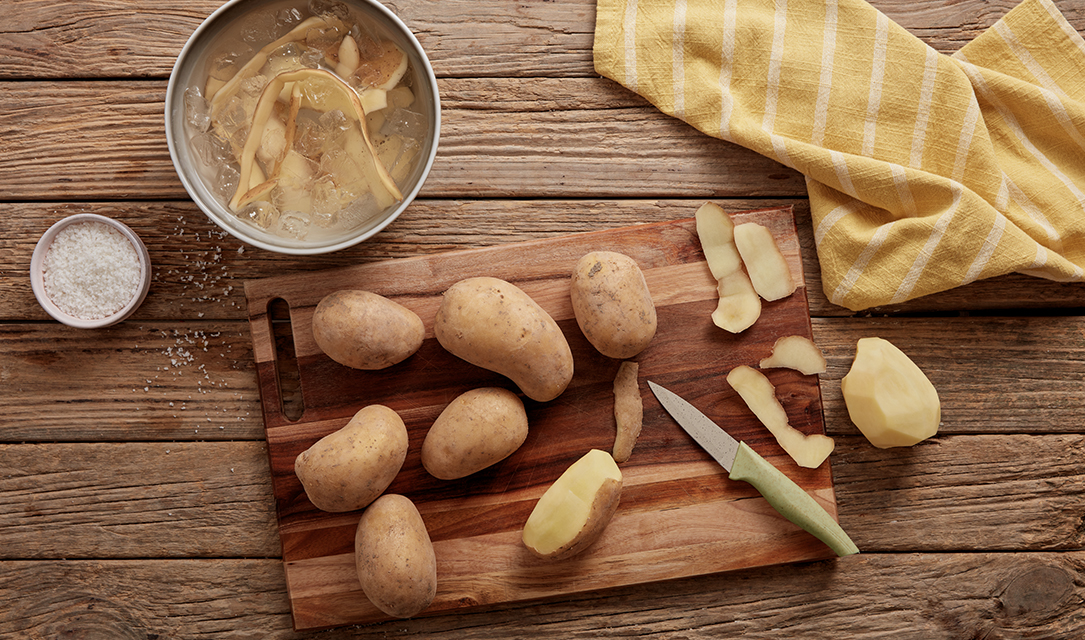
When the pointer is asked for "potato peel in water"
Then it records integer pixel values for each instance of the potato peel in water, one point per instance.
(337, 94)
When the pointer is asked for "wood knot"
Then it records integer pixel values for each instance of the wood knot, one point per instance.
(1035, 590)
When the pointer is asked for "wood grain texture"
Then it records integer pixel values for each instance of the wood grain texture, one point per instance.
(61, 141)
(976, 533)
(197, 269)
(1013, 596)
(545, 39)
(678, 516)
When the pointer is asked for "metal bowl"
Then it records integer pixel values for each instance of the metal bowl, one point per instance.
(221, 29)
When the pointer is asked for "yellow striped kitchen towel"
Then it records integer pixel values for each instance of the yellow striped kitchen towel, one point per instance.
(925, 171)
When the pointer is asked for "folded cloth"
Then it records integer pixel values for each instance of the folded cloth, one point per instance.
(924, 171)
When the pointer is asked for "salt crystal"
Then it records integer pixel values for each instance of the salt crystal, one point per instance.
(91, 270)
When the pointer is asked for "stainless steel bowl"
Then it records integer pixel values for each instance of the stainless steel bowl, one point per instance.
(221, 29)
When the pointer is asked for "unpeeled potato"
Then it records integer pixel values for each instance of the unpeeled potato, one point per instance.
(347, 469)
(478, 429)
(364, 330)
(394, 557)
(493, 324)
(612, 304)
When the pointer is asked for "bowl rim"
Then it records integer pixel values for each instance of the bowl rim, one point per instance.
(173, 90)
(37, 280)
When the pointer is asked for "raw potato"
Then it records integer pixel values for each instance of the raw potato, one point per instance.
(739, 306)
(888, 397)
(628, 410)
(394, 557)
(364, 330)
(769, 273)
(476, 430)
(612, 304)
(348, 469)
(798, 353)
(806, 450)
(495, 325)
(575, 510)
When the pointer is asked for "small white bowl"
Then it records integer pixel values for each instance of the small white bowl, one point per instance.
(37, 280)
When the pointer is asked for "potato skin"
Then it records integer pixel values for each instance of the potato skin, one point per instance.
(363, 330)
(612, 304)
(394, 557)
(348, 469)
(602, 512)
(476, 430)
(493, 324)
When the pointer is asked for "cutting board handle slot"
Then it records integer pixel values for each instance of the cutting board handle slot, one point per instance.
(287, 373)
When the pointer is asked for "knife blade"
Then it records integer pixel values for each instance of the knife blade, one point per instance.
(743, 463)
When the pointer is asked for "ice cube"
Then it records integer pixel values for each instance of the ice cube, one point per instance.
(312, 58)
(333, 8)
(210, 149)
(254, 85)
(225, 181)
(332, 124)
(358, 212)
(260, 213)
(197, 109)
(324, 39)
(224, 63)
(344, 171)
(232, 116)
(287, 18)
(406, 123)
(325, 202)
(307, 139)
(260, 27)
(293, 224)
(285, 58)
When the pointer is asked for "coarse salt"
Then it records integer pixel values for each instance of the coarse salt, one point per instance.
(91, 270)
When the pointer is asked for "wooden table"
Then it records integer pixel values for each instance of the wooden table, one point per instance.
(135, 497)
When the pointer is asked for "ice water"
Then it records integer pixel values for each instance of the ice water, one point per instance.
(308, 181)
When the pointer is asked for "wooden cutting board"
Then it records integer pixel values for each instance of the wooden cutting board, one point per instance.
(679, 515)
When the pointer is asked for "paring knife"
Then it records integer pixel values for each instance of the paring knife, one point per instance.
(743, 463)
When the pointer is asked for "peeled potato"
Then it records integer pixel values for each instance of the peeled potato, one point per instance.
(575, 510)
(888, 397)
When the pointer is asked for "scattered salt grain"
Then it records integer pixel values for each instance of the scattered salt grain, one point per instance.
(91, 270)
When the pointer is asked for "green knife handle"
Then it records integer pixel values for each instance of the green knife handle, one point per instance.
(790, 500)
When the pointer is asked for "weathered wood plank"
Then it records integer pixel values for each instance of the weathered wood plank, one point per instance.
(106, 140)
(214, 499)
(547, 39)
(199, 269)
(132, 382)
(991, 373)
(907, 597)
(129, 500)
